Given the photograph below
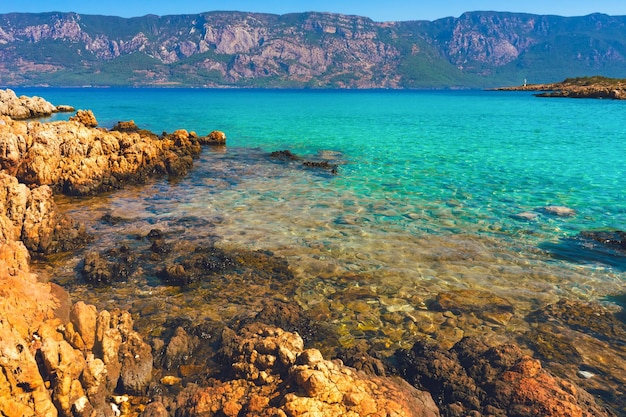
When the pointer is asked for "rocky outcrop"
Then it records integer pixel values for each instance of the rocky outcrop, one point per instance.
(24, 107)
(473, 378)
(30, 216)
(585, 87)
(77, 159)
(273, 374)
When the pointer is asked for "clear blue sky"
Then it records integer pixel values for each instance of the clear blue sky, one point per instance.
(379, 10)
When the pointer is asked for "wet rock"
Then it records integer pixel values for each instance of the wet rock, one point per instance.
(123, 126)
(216, 137)
(288, 156)
(155, 409)
(574, 337)
(293, 318)
(332, 168)
(96, 269)
(359, 358)
(136, 364)
(85, 117)
(285, 155)
(113, 265)
(179, 349)
(475, 379)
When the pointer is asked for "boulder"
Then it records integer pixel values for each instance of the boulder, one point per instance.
(24, 107)
(473, 378)
(272, 374)
(85, 117)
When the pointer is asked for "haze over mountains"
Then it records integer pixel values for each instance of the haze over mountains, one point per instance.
(311, 50)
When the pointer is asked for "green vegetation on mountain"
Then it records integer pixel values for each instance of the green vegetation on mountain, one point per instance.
(307, 50)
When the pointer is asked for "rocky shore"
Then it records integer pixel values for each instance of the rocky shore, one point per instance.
(585, 87)
(65, 357)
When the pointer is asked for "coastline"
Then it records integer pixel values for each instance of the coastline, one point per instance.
(585, 87)
(526, 371)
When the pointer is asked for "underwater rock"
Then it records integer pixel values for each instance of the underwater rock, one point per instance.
(288, 156)
(597, 247)
(612, 239)
(574, 338)
(475, 379)
(560, 211)
(484, 305)
(528, 216)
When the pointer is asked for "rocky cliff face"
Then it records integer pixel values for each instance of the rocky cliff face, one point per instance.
(305, 50)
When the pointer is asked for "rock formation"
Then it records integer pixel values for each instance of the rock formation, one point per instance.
(475, 379)
(272, 374)
(76, 158)
(24, 107)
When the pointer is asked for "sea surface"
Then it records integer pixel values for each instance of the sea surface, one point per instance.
(426, 201)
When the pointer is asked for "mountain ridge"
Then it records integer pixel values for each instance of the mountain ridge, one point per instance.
(306, 50)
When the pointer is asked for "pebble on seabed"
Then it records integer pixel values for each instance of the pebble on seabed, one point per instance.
(585, 374)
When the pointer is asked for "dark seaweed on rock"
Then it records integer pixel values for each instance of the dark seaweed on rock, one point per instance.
(288, 156)
(592, 247)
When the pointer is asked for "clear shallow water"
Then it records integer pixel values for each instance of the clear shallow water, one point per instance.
(423, 202)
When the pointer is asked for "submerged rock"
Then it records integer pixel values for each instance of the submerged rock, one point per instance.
(288, 156)
(577, 338)
(603, 247)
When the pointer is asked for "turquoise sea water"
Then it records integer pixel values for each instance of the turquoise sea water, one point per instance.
(426, 194)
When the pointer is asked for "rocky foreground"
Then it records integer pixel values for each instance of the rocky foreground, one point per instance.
(585, 87)
(64, 357)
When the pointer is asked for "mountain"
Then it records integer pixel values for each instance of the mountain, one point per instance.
(310, 50)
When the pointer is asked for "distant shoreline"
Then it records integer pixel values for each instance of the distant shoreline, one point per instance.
(582, 87)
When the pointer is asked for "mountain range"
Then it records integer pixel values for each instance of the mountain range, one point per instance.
(307, 50)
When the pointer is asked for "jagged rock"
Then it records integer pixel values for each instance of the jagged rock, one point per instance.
(23, 107)
(76, 159)
(216, 137)
(31, 216)
(85, 117)
(180, 346)
(475, 379)
(274, 375)
(84, 317)
(136, 364)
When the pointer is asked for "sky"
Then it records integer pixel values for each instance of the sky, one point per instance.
(379, 10)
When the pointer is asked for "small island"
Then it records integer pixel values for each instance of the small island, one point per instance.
(580, 87)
